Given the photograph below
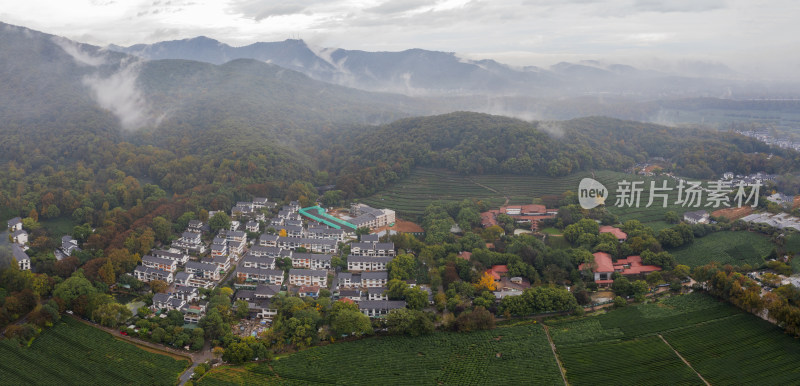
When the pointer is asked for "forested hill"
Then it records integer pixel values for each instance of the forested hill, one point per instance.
(49, 82)
(474, 143)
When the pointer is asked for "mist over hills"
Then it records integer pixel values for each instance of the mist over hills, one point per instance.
(442, 74)
(52, 79)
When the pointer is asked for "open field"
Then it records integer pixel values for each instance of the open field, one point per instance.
(728, 247)
(722, 343)
(72, 353)
(507, 355)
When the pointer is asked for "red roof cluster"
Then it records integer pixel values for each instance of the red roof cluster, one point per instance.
(618, 233)
(532, 212)
(631, 265)
(496, 270)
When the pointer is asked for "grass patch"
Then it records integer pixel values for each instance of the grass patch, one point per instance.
(551, 231)
(728, 247)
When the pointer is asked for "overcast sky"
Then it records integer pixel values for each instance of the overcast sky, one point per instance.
(746, 34)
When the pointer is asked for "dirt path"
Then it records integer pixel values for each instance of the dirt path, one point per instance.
(684, 360)
(490, 189)
(558, 361)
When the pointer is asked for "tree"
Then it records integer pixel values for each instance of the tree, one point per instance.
(350, 321)
(158, 286)
(672, 217)
(681, 271)
(639, 287)
(402, 267)
(396, 289)
(409, 322)
(622, 286)
(475, 320)
(106, 273)
(539, 299)
(486, 283)
(112, 314)
(238, 353)
(416, 298)
(217, 351)
(654, 278)
(162, 228)
(242, 309)
(573, 233)
(218, 221)
(360, 231)
(70, 289)
(619, 302)
(144, 312)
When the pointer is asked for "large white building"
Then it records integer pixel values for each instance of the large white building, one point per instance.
(367, 216)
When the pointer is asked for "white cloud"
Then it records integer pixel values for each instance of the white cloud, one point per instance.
(724, 30)
(78, 54)
(119, 94)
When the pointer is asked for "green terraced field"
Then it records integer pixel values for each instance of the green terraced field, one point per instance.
(625, 346)
(72, 353)
(506, 355)
(735, 248)
(413, 194)
(740, 350)
(723, 344)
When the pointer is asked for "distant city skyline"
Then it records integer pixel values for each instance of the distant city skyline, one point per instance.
(738, 33)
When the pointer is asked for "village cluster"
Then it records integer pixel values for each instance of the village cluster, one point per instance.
(309, 241)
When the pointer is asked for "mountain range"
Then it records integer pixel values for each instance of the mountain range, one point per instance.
(435, 73)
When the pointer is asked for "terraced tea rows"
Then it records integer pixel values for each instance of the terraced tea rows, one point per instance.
(735, 248)
(73, 353)
(506, 355)
(723, 344)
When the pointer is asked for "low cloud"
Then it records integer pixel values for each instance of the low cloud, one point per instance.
(78, 54)
(552, 128)
(119, 94)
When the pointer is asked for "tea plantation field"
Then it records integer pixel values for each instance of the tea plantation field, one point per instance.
(507, 355)
(72, 353)
(722, 343)
(413, 194)
(422, 187)
(735, 248)
(638, 344)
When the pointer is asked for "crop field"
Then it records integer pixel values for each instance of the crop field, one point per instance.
(740, 350)
(413, 194)
(723, 344)
(72, 353)
(507, 355)
(735, 248)
(646, 361)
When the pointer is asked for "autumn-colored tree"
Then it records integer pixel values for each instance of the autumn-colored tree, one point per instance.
(34, 215)
(282, 233)
(106, 273)
(486, 283)
(158, 286)
(218, 351)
